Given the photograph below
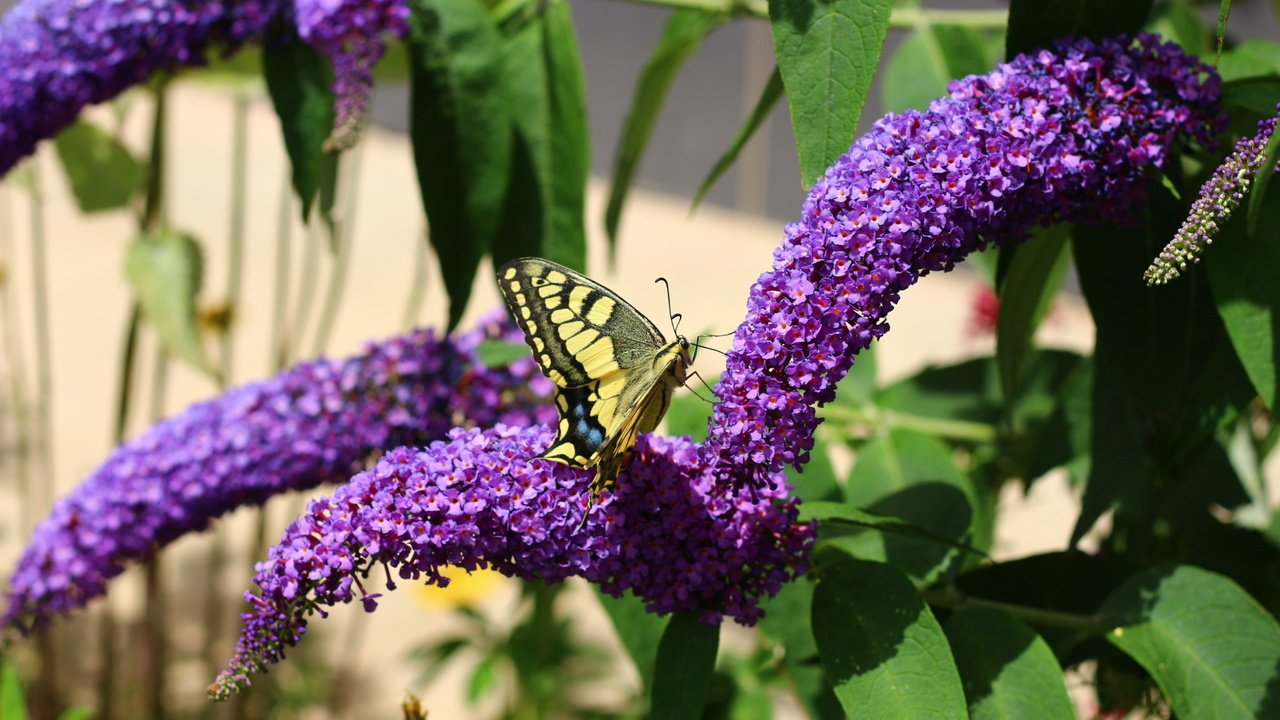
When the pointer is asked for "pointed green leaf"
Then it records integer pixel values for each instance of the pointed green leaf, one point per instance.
(764, 105)
(1241, 274)
(76, 713)
(928, 59)
(103, 174)
(1008, 671)
(827, 52)
(1258, 190)
(1213, 651)
(1034, 24)
(547, 187)
(884, 653)
(1026, 291)
(165, 272)
(681, 37)
(639, 630)
(899, 459)
(568, 139)
(686, 660)
(13, 702)
(460, 125)
(844, 514)
(298, 81)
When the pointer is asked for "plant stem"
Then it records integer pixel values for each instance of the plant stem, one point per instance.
(44, 344)
(418, 286)
(306, 286)
(951, 429)
(16, 360)
(343, 230)
(279, 343)
(235, 235)
(952, 598)
(153, 220)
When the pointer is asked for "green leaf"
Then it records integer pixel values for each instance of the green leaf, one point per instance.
(1208, 645)
(103, 174)
(827, 53)
(897, 460)
(568, 139)
(787, 621)
(499, 353)
(639, 630)
(75, 713)
(1151, 419)
(1249, 59)
(689, 413)
(1008, 671)
(1241, 274)
(681, 37)
(1258, 190)
(926, 60)
(816, 480)
(686, 660)
(1034, 24)
(837, 514)
(1069, 582)
(165, 271)
(884, 653)
(461, 127)
(769, 97)
(13, 702)
(1257, 95)
(550, 150)
(1026, 292)
(298, 81)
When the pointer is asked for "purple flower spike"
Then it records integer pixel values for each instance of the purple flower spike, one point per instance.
(1064, 135)
(671, 533)
(351, 33)
(58, 56)
(1218, 199)
(314, 423)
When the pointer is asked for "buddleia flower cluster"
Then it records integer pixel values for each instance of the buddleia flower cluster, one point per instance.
(1218, 199)
(1052, 136)
(59, 56)
(672, 533)
(312, 424)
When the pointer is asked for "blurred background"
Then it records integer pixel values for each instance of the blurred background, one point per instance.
(65, 317)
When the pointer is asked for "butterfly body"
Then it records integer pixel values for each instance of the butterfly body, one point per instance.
(613, 370)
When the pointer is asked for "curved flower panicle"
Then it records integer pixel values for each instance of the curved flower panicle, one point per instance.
(1064, 135)
(352, 34)
(312, 424)
(671, 533)
(58, 56)
(1218, 199)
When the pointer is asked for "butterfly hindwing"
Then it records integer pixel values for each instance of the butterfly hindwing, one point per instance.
(613, 370)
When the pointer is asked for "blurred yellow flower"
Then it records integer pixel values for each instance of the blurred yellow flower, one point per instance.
(465, 588)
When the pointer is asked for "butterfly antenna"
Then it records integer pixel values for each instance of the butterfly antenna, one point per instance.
(708, 347)
(675, 317)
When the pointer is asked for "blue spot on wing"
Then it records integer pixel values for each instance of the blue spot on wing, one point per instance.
(585, 432)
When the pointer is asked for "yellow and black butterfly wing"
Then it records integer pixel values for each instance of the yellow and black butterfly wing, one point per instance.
(613, 370)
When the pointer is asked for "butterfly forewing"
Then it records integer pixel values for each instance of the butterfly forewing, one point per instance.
(614, 371)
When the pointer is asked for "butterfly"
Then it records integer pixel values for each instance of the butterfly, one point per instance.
(613, 370)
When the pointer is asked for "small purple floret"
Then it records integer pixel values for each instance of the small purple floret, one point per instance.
(1054, 136)
(672, 533)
